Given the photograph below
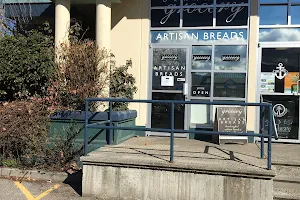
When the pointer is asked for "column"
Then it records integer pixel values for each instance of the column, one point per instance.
(253, 73)
(103, 23)
(62, 21)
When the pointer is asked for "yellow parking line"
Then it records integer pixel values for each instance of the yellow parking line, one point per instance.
(47, 192)
(29, 196)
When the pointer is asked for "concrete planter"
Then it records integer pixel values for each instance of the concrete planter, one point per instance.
(66, 123)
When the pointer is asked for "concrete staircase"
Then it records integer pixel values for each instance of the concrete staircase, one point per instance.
(287, 181)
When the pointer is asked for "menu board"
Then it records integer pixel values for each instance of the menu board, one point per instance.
(231, 119)
(267, 82)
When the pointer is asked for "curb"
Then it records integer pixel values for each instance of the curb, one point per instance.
(33, 175)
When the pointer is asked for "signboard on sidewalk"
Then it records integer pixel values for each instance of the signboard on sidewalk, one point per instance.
(231, 119)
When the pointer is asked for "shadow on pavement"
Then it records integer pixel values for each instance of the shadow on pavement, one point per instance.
(74, 180)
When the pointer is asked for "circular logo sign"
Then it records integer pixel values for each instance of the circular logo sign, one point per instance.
(279, 110)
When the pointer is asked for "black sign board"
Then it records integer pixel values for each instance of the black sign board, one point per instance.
(200, 91)
(201, 57)
(286, 116)
(233, 58)
(231, 119)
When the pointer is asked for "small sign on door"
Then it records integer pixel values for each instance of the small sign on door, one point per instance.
(167, 81)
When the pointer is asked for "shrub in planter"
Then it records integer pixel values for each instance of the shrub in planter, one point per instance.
(122, 85)
(88, 71)
(83, 71)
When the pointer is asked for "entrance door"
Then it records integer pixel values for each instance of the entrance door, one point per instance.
(280, 69)
(169, 69)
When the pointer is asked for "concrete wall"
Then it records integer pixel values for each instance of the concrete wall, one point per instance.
(130, 40)
(114, 183)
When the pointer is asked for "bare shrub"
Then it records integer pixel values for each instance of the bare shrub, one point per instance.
(24, 136)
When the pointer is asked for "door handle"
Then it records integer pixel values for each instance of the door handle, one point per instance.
(185, 89)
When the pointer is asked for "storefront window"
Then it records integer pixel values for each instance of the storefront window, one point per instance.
(201, 83)
(279, 21)
(279, 34)
(229, 85)
(230, 57)
(280, 70)
(279, 12)
(162, 18)
(232, 16)
(193, 19)
(196, 13)
(202, 56)
(295, 12)
(203, 44)
(28, 16)
(286, 116)
(273, 15)
(204, 109)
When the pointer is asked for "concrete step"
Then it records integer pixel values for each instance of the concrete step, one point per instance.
(287, 173)
(286, 194)
(286, 185)
(287, 182)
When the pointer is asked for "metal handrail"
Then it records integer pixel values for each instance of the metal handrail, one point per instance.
(172, 130)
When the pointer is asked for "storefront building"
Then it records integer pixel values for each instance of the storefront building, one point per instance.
(204, 50)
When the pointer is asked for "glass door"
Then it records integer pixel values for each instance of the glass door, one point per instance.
(168, 70)
(279, 79)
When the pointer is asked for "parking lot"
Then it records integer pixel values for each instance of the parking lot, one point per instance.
(16, 190)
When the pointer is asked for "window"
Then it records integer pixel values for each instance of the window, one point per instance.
(273, 15)
(201, 57)
(229, 85)
(219, 72)
(204, 109)
(295, 12)
(28, 16)
(201, 83)
(197, 17)
(279, 12)
(232, 16)
(198, 13)
(231, 57)
(165, 18)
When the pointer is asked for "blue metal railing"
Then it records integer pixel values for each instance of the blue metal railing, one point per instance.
(172, 130)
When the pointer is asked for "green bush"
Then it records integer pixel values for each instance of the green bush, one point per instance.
(26, 64)
(122, 85)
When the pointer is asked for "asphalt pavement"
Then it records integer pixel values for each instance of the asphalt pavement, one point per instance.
(16, 190)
